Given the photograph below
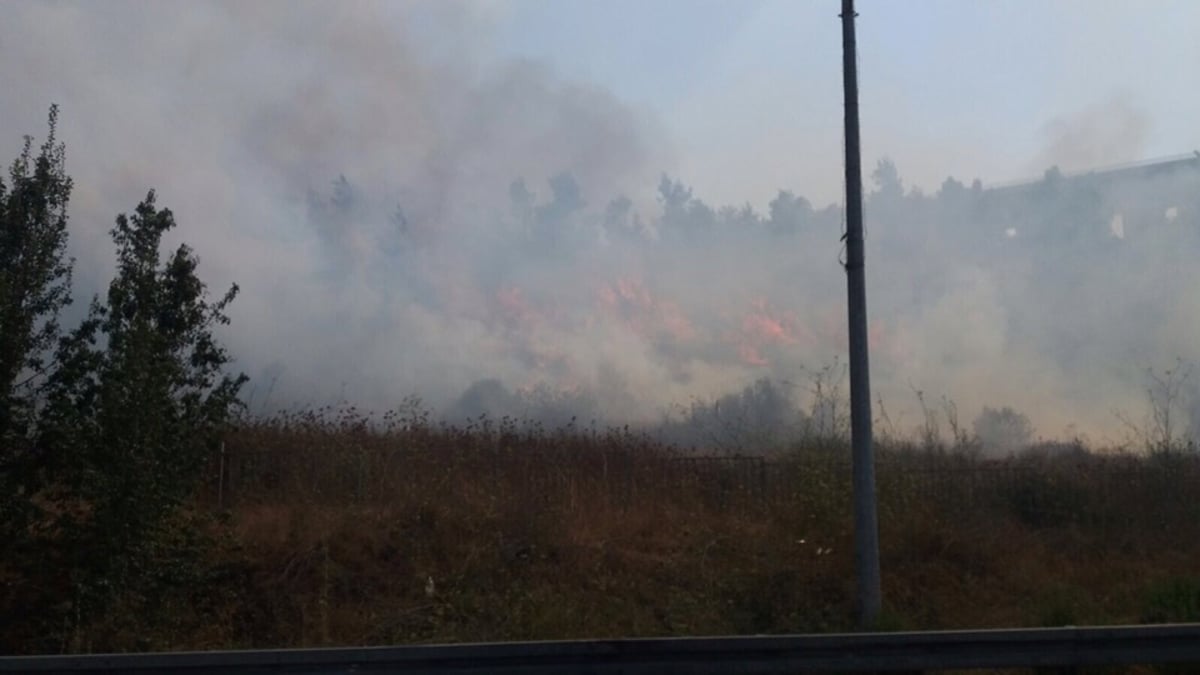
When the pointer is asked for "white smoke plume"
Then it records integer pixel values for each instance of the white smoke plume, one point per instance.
(408, 215)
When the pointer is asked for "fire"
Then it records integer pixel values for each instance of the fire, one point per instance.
(763, 327)
(630, 301)
(515, 308)
(756, 335)
(750, 356)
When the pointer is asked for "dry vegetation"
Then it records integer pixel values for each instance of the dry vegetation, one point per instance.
(343, 530)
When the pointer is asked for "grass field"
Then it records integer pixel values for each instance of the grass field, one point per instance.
(339, 530)
(361, 534)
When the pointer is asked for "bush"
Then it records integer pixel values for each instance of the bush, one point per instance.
(1175, 600)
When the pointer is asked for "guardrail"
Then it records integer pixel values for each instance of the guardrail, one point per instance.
(1018, 648)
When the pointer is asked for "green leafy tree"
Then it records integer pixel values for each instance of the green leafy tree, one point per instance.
(133, 411)
(35, 283)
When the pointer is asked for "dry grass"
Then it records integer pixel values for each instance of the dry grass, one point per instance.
(352, 532)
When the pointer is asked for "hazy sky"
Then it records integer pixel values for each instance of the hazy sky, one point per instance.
(243, 114)
(747, 93)
(749, 90)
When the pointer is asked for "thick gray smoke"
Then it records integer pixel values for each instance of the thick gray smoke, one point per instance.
(338, 162)
(406, 218)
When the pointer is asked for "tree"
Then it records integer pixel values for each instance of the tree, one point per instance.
(338, 220)
(1003, 430)
(887, 181)
(617, 213)
(789, 213)
(35, 284)
(35, 278)
(522, 202)
(683, 215)
(952, 191)
(133, 410)
(673, 195)
(567, 198)
(754, 420)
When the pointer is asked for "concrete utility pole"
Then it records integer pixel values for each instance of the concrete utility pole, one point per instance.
(866, 524)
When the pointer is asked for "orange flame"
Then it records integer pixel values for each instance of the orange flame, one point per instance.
(631, 302)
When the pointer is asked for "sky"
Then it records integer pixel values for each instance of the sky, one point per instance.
(416, 197)
(751, 90)
(748, 92)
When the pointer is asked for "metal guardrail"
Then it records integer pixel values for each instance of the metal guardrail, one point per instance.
(1125, 645)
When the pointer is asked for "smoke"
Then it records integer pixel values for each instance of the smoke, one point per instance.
(408, 215)
(336, 161)
(1110, 132)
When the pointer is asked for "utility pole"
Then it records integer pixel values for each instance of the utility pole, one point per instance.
(866, 523)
